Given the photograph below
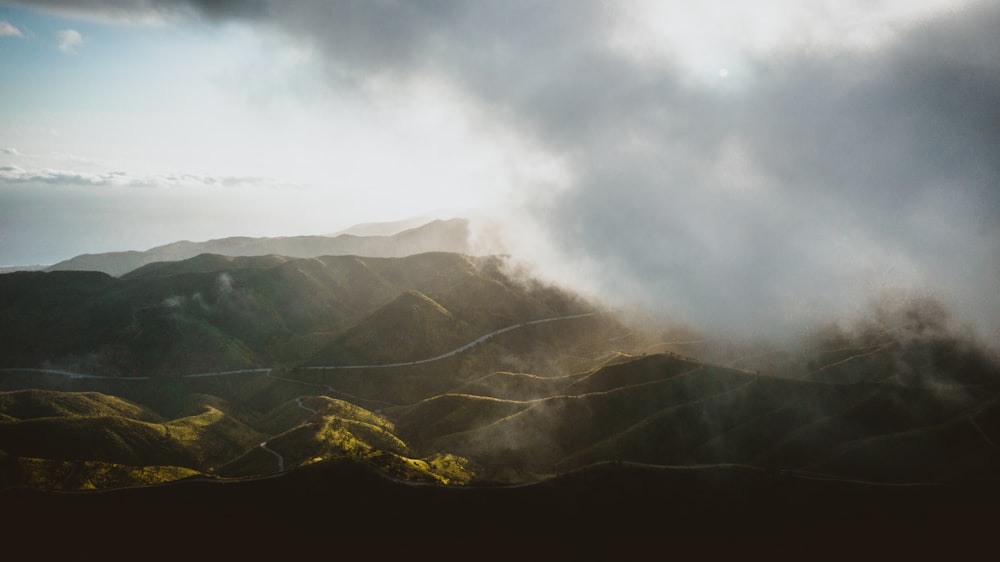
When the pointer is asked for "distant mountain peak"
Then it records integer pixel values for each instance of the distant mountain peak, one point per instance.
(434, 236)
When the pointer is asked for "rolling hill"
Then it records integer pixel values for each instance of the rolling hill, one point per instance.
(192, 317)
(383, 386)
(434, 236)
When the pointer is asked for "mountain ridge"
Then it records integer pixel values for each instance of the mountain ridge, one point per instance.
(412, 377)
(191, 317)
(437, 235)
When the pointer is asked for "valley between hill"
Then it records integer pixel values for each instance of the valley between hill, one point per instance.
(259, 382)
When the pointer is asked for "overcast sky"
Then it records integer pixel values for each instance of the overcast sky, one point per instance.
(747, 166)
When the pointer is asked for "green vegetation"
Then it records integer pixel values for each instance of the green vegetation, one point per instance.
(411, 327)
(214, 313)
(338, 429)
(526, 402)
(48, 474)
(33, 403)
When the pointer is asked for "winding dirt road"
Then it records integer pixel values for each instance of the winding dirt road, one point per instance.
(471, 344)
(268, 370)
(281, 459)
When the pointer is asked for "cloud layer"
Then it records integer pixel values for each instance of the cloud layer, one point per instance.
(807, 181)
(13, 175)
(830, 179)
(823, 179)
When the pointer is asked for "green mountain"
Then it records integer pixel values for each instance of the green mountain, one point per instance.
(380, 387)
(412, 327)
(212, 313)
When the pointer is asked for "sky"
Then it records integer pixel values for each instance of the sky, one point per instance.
(752, 167)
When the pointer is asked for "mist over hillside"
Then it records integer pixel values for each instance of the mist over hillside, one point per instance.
(729, 275)
(458, 372)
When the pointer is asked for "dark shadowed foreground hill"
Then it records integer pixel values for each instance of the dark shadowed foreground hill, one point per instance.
(607, 511)
(435, 236)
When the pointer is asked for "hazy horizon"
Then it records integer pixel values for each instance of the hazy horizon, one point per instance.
(749, 168)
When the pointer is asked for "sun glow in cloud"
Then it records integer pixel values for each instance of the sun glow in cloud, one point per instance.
(703, 37)
(744, 165)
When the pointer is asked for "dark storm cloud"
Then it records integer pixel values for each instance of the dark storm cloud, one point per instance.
(140, 10)
(822, 178)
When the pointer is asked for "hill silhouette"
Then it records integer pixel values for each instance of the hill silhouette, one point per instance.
(204, 263)
(434, 236)
(611, 509)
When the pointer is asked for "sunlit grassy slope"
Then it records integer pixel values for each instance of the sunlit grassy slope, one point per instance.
(660, 409)
(33, 403)
(73, 440)
(891, 404)
(304, 408)
(49, 474)
(313, 428)
(198, 442)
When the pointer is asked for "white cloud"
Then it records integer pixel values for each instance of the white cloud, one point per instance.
(6, 29)
(16, 174)
(703, 36)
(69, 40)
(12, 151)
(850, 145)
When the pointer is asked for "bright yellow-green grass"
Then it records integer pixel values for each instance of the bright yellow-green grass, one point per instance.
(46, 474)
(332, 437)
(291, 414)
(211, 437)
(32, 404)
(450, 469)
(345, 410)
(199, 442)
